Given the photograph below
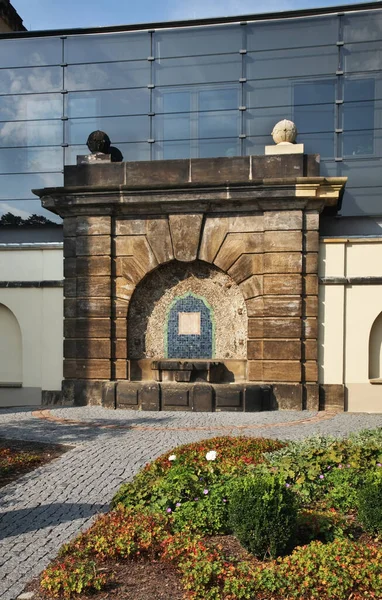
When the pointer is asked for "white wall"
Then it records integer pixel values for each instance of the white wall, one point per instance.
(39, 313)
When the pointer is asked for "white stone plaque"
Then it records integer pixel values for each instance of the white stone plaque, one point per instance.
(189, 323)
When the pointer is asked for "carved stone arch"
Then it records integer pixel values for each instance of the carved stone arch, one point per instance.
(375, 349)
(11, 364)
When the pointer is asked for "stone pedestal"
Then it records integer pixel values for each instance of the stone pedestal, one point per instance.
(253, 218)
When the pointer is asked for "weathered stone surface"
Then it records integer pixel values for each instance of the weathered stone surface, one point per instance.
(282, 349)
(121, 369)
(252, 287)
(311, 306)
(149, 396)
(310, 328)
(310, 349)
(282, 284)
(185, 235)
(87, 348)
(92, 307)
(279, 166)
(311, 262)
(245, 266)
(87, 328)
(70, 307)
(311, 400)
(311, 241)
(87, 266)
(70, 267)
(104, 174)
(202, 397)
(176, 396)
(123, 288)
(253, 398)
(120, 308)
(128, 267)
(92, 245)
(255, 349)
(283, 262)
(236, 244)
(214, 231)
(93, 225)
(282, 241)
(127, 394)
(279, 306)
(108, 394)
(279, 370)
(88, 393)
(93, 368)
(246, 223)
(220, 170)
(311, 220)
(130, 226)
(93, 286)
(70, 287)
(282, 327)
(229, 397)
(70, 369)
(332, 397)
(69, 227)
(255, 328)
(282, 220)
(255, 307)
(164, 172)
(120, 348)
(69, 247)
(286, 397)
(311, 284)
(310, 371)
(120, 328)
(159, 238)
(255, 370)
(137, 246)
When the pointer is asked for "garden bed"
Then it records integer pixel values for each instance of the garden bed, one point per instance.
(18, 457)
(235, 519)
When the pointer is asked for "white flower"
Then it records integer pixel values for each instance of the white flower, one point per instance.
(211, 455)
(172, 457)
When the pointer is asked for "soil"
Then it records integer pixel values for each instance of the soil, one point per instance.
(133, 580)
(45, 453)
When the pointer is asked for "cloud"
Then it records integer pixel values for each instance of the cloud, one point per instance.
(7, 208)
(199, 9)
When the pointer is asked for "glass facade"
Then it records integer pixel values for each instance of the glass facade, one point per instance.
(198, 91)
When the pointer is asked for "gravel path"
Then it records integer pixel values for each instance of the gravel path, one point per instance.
(47, 507)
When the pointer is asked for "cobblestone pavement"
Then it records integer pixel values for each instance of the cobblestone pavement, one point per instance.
(47, 507)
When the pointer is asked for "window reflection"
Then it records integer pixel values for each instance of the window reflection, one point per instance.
(20, 81)
(20, 160)
(105, 47)
(33, 106)
(196, 148)
(204, 69)
(25, 208)
(31, 133)
(108, 103)
(292, 33)
(107, 76)
(198, 41)
(292, 63)
(20, 186)
(363, 57)
(119, 129)
(30, 52)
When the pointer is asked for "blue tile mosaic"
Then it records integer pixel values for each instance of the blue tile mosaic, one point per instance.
(190, 346)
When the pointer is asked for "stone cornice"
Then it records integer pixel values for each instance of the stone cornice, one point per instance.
(11, 17)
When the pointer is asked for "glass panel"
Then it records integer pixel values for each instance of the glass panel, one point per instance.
(130, 152)
(362, 115)
(24, 209)
(197, 125)
(30, 52)
(19, 81)
(33, 106)
(360, 27)
(256, 145)
(21, 186)
(362, 201)
(319, 143)
(363, 173)
(196, 41)
(292, 63)
(31, 133)
(311, 119)
(204, 69)
(283, 92)
(21, 160)
(109, 103)
(105, 47)
(292, 33)
(196, 149)
(363, 57)
(360, 143)
(330, 168)
(361, 88)
(261, 121)
(194, 98)
(119, 129)
(107, 76)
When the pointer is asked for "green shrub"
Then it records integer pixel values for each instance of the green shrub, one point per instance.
(263, 514)
(72, 576)
(370, 503)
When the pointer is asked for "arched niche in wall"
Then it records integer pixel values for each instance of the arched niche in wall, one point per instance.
(195, 298)
(10, 348)
(375, 349)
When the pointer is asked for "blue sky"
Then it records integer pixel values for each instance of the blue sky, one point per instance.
(59, 14)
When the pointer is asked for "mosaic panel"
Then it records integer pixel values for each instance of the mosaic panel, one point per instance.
(190, 345)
